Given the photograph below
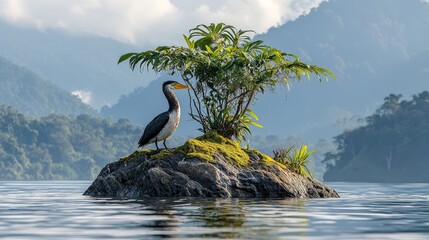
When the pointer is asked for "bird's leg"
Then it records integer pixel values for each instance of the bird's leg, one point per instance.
(165, 145)
(156, 144)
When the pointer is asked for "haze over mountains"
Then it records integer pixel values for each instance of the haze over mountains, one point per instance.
(374, 48)
(34, 96)
(85, 64)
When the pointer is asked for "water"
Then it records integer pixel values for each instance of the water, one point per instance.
(57, 210)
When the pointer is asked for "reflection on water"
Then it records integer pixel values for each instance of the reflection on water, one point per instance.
(57, 210)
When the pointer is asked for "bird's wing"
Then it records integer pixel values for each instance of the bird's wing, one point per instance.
(153, 128)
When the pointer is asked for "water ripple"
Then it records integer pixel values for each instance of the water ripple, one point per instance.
(57, 210)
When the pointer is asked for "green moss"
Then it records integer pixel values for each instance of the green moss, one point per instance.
(210, 144)
(205, 148)
(166, 153)
(202, 156)
(266, 160)
(214, 138)
(137, 153)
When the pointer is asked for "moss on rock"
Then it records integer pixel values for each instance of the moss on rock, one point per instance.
(165, 153)
(266, 160)
(137, 153)
(207, 146)
(236, 173)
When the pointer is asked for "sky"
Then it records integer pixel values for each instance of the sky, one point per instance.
(149, 22)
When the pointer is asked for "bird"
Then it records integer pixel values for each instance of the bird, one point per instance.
(164, 125)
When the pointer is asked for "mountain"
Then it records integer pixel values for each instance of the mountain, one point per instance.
(390, 147)
(373, 47)
(35, 96)
(83, 63)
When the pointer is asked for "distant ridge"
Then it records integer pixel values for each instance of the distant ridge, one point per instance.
(34, 96)
(73, 62)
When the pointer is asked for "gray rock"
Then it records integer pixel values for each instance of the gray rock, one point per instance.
(178, 176)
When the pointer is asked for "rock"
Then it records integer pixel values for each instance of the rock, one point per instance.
(177, 173)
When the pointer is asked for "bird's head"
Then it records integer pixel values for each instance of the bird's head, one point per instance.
(174, 85)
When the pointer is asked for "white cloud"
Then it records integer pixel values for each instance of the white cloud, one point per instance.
(148, 22)
(84, 96)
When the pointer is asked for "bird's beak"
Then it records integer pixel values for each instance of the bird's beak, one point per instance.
(180, 86)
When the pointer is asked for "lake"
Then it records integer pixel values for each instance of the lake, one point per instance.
(57, 210)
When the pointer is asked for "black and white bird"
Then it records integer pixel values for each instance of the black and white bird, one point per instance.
(164, 125)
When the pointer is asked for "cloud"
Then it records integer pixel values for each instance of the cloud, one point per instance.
(84, 96)
(148, 22)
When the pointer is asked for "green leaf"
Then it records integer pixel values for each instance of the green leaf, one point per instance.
(125, 57)
(189, 43)
(209, 49)
(253, 114)
(256, 124)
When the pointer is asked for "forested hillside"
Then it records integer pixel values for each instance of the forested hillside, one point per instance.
(32, 95)
(391, 147)
(60, 147)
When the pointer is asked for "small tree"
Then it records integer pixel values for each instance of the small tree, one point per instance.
(225, 70)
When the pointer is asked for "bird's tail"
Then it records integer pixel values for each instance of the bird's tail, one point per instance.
(142, 142)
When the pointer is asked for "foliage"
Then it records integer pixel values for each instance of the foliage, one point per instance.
(283, 155)
(225, 70)
(295, 159)
(300, 160)
(59, 147)
(390, 147)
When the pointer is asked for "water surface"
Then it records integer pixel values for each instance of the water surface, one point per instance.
(57, 210)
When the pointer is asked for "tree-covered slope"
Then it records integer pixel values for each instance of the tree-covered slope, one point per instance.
(32, 95)
(391, 147)
(60, 147)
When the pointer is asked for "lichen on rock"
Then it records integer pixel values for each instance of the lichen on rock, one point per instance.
(208, 166)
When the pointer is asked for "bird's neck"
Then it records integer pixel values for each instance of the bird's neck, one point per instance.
(173, 103)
